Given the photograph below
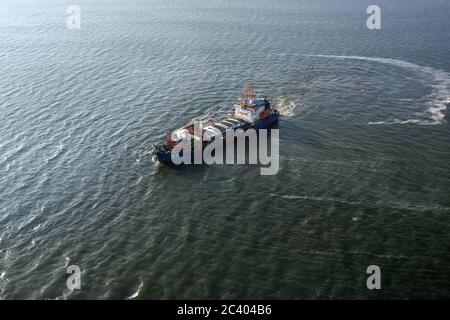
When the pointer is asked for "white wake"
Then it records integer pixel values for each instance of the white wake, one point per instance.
(437, 100)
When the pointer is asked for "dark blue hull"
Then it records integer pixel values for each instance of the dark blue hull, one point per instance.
(166, 156)
(267, 122)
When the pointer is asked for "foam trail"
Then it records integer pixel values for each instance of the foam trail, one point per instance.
(397, 121)
(439, 98)
(286, 108)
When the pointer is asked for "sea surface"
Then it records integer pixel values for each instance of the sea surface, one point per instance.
(364, 173)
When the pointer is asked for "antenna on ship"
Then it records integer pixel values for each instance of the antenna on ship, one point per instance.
(249, 93)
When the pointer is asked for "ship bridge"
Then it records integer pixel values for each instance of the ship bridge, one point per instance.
(249, 107)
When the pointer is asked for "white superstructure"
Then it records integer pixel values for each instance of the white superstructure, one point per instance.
(248, 111)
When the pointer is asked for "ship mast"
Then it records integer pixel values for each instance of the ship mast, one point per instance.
(248, 95)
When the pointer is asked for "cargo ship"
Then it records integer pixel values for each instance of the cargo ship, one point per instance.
(250, 111)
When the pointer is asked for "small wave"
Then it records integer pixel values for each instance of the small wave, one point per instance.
(66, 263)
(211, 113)
(3, 282)
(32, 245)
(59, 150)
(136, 294)
(438, 99)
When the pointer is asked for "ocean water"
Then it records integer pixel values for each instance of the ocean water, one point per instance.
(364, 150)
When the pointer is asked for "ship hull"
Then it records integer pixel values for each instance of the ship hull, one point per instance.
(165, 157)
